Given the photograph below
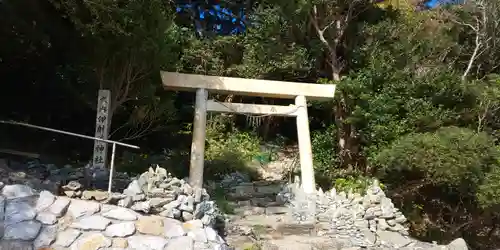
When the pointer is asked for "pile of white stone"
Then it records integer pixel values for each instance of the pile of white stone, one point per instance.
(157, 192)
(353, 220)
(29, 220)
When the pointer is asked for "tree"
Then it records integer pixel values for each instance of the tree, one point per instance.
(124, 46)
(480, 23)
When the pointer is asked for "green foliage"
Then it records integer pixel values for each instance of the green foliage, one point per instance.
(451, 156)
(324, 155)
(229, 150)
(489, 190)
(389, 105)
(441, 179)
(220, 140)
(356, 184)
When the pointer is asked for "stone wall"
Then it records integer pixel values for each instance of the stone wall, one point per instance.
(360, 221)
(44, 221)
(178, 215)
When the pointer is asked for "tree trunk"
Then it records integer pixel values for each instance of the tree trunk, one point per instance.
(348, 143)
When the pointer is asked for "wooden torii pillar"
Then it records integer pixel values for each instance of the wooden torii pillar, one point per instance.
(249, 87)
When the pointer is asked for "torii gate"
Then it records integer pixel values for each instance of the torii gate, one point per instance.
(249, 87)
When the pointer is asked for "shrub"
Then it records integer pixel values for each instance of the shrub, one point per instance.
(450, 156)
(325, 156)
(229, 150)
(444, 181)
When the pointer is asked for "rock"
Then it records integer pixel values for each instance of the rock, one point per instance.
(59, 206)
(138, 197)
(171, 213)
(71, 194)
(150, 225)
(72, 186)
(172, 204)
(198, 234)
(192, 225)
(387, 208)
(17, 191)
(173, 228)
(15, 245)
(46, 237)
(91, 241)
(394, 239)
(147, 242)
(66, 238)
(125, 202)
(187, 216)
(46, 218)
(44, 201)
(120, 214)
(94, 222)
(123, 229)
(141, 206)
(18, 210)
(159, 202)
(119, 243)
(79, 208)
(95, 195)
(212, 235)
(276, 210)
(182, 242)
(458, 244)
(133, 189)
(25, 230)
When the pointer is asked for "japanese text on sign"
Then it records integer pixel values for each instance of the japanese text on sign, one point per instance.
(101, 129)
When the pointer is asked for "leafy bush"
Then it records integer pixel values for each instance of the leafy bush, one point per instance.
(356, 184)
(440, 180)
(229, 150)
(450, 156)
(325, 156)
(489, 190)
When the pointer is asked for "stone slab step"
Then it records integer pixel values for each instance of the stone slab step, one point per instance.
(300, 243)
(261, 189)
(259, 202)
(250, 210)
(264, 220)
(297, 229)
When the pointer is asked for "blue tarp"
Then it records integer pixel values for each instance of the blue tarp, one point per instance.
(215, 18)
(431, 4)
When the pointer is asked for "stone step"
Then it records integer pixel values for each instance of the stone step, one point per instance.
(297, 229)
(258, 189)
(252, 210)
(258, 202)
(300, 242)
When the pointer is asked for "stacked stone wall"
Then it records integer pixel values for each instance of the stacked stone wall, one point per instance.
(32, 220)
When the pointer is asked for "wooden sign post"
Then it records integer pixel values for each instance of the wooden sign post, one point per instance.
(99, 157)
(249, 87)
